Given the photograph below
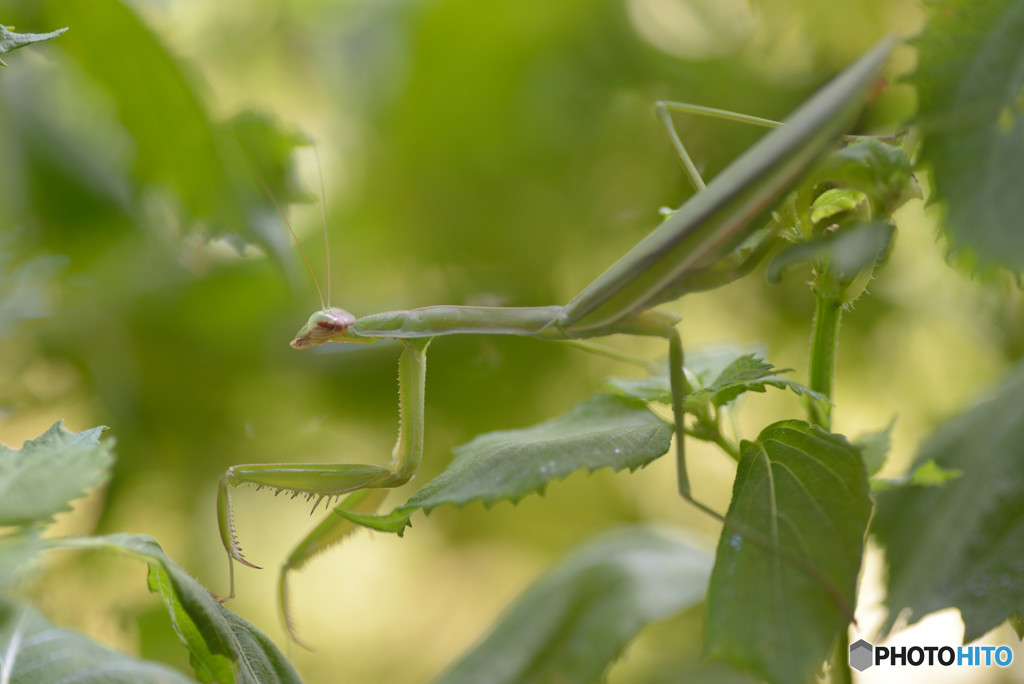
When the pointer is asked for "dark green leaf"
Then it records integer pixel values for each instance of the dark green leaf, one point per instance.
(38, 652)
(49, 472)
(605, 431)
(179, 146)
(786, 571)
(9, 40)
(850, 253)
(223, 647)
(573, 622)
(970, 82)
(962, 545)
(748, 373)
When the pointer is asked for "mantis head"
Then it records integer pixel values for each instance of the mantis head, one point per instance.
(323, 326)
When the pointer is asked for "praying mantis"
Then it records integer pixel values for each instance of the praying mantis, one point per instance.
(710, 240)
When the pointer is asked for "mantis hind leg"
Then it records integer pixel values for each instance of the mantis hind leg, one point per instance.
(319, 481)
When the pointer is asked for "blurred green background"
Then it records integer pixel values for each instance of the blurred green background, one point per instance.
(499, 152)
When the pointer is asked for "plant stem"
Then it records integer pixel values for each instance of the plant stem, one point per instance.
(824, 343)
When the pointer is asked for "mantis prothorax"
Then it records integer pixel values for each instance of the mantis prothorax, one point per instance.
(694, 248)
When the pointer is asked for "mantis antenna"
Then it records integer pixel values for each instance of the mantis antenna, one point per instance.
(323, 218)
(291, 230)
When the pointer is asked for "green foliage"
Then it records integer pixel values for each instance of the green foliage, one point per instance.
(38, 652)
(42, 479)
(971, 92)
(49, 472)
(961, 544)
(717, 386)
(223, 647)
(9, 40)
(605, 431)
(778, 597)
(571, 623)
(505, 163)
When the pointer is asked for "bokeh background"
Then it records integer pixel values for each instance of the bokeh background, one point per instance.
(499, 152)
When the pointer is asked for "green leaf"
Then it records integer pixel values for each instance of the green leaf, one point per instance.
(927, 474)
(868, 168)
(745, 373)
(49, 472)
(849, 252)
(18, 555)
(38, 652)
(875, 447)
(179, 148)
(223, 647)
(649, 388)
(835, 201)
(786, 571)
(970, 87)
(9, 40)
(573, 622)
(961, 545)
(605, 431)
(748, 373)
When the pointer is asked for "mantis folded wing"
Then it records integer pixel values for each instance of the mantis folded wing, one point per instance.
(694, 248)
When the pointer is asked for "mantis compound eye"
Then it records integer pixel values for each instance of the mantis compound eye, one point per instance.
(335, 320)
(322, 327)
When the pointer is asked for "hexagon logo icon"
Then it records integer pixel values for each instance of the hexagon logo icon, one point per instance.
(861, 655)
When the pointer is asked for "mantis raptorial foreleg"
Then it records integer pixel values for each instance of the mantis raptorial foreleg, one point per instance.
(701, 245)
(324, 481)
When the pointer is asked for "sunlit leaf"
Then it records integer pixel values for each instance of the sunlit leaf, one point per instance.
(971, 110)
(786, 571)
(18, 555)
(961, 545)
(34, 651)
(9, 40)
(49, 472)
(573, 622)
(223, 647)
(605, 431)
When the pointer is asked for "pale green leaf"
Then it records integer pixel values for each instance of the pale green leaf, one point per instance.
(9, 40)
(961, 545)
(35, 651)
(573, 622)
(49, 472)
(875, 447)
(223, 647)
(835, 201)
(970, 85)
(19, 553)
(786, 571)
